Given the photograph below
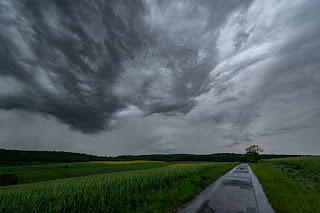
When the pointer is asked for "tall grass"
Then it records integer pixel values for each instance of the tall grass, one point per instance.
(286, 195)
(303, 169)
(310, 165)
(99, 193)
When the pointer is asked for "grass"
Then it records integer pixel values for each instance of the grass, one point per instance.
(180, 164)
(303, 169)
(146, 165)
(126, 162)
(46, 172)
(290, 184)
(152, 190)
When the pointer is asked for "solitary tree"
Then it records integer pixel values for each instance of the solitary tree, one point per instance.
(252, 153)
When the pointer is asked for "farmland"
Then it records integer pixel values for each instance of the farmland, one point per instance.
(156, 190)
(139, 184)
(54, 171)
(291, 184)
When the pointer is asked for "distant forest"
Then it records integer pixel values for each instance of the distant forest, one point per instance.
(16, 157)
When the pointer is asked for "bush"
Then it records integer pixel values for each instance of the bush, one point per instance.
(8, 179)
(66, 166)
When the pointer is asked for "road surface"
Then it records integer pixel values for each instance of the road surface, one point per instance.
(238, 191)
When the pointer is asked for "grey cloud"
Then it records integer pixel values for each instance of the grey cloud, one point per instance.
(268, 132)
(266, 76)
(162, 76)
(71, 57)
(227, 100)
(174, 66)
(66, 55)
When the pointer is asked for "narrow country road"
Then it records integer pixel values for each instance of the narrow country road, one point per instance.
(238, 191)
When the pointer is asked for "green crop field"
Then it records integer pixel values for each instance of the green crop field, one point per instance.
(291, 184)
(54, 171)
(150, 190)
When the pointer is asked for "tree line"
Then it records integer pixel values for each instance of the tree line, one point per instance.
(17, 157)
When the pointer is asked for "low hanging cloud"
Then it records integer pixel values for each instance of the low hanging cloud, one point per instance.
(226, 73)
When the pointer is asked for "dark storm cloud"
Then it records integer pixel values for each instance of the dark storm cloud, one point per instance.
(165, 76)
(68, 56)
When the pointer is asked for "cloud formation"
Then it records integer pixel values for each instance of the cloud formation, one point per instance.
(164, 73)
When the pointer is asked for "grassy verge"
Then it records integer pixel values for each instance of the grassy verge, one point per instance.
(302, 169)
(286, 194)
(152, 190)
(46, 172)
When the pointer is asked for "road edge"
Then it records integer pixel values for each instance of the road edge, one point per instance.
(198, 201)
(262, 201)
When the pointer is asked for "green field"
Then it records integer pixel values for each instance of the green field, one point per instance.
(45, 172)
(291, 184)
(150, 190)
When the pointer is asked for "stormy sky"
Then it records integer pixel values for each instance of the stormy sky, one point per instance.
(144, 77)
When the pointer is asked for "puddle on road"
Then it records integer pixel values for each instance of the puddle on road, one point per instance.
(240, 183)
(241, 171)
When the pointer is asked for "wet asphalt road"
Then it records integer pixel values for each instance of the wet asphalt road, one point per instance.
(238, 191)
